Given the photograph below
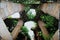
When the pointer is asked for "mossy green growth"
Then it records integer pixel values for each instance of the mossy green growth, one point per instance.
(46, 37)
(40, 33)
(9, 17)
(26, 1)
(27, 7)
(31, 14)
(49, 20)
(24, 30)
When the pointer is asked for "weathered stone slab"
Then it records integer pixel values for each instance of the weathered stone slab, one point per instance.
(51, 8)
(8, 8)
(4, 33)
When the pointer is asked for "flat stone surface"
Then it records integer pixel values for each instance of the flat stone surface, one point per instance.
(51, 8)
(9, 8)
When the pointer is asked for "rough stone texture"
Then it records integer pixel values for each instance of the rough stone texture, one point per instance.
(8, 8)
(51, 8)
(4, 33)
(43, 29)
(16, 30)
